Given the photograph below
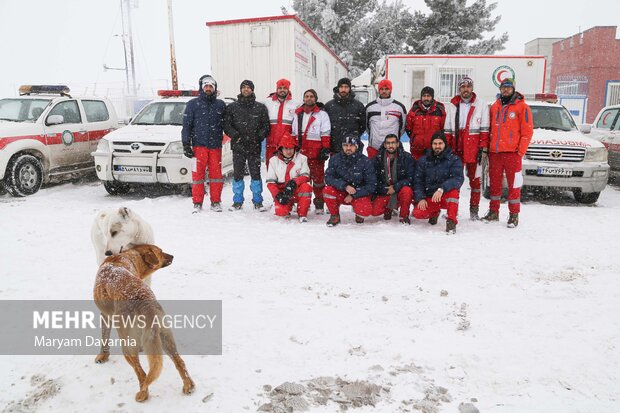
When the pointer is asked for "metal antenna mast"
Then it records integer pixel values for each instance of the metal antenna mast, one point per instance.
(173, 59)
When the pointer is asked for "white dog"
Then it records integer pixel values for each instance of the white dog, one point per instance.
(116, 230)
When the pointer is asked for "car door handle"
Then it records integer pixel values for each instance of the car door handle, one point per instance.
(83, 131)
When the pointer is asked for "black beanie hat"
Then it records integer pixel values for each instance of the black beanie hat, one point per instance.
(439, 135)
(247, 83)
(428, 90)
(344, 81)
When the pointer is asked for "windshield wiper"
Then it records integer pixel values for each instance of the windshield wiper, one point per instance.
(142, 123)
(547, 128)
(10, 120)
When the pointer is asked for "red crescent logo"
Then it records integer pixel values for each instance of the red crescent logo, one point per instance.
(605, 118)
(499, 75)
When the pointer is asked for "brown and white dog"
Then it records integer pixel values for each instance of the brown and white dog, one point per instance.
(119, 291)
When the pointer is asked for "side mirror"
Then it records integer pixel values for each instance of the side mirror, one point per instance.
(55, 120)
(586, 128)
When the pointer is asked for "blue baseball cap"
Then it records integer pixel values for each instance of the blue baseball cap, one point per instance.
(508, 82)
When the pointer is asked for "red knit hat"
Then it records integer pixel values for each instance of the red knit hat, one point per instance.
(283, 83)
(288, 141)
(385, 83)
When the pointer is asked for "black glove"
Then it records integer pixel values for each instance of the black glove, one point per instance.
(290, 187)
(479, 157)
(283, 198)
(324, 154)
(188, 151)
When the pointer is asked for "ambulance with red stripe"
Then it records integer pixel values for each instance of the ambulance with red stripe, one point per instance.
(149, 149)
(48, 135)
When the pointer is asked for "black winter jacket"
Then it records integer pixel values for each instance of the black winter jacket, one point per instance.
(355, 170)
(434, 172)
(203, 122)
(246, 123)
(405, 170)
(347, 117)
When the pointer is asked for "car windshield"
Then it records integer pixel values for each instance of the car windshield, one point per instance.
(161, 113)
(552, 118)
(362, 96)
(22, 110)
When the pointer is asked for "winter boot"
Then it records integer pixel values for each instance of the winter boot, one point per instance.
(236, 206)
(405, 220)
(259, 207)
(303, 219)
(319, 207)
(333, 220)
(197, 208)
(387, 215)
(433, 220)
(450, 227)
(491, 216)
(473, 213)
(216, 206)
(513, 220)
(359, 220)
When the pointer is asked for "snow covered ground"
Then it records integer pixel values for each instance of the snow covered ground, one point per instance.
(521, 320)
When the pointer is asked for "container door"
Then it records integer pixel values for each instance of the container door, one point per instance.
(416, 77)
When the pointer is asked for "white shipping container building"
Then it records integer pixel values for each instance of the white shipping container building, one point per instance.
(266, 49)
(410, 73)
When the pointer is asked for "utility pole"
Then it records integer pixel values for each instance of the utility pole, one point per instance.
(173, 59)
(129, 59)
(124, 40)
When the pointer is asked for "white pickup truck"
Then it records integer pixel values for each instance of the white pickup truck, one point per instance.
(149, 149)
(47, 135)
(561, 157)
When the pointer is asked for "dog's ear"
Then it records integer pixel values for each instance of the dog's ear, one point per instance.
(150, 258)
(124, 212)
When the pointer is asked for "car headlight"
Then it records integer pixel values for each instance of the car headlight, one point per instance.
(175, 148)
(596, 155)
(103, 145)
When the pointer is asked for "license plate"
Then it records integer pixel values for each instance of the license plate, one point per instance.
(554, 171)
(124, 168)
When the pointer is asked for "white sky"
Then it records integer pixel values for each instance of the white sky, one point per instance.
(68, 41)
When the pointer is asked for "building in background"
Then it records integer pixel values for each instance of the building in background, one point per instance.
(586, 71)
(543, 46)
(266, 49)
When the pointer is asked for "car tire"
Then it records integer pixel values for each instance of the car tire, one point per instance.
(116, 188)
(186, 190)
(484, 182)
(586, 198)
(24, 175)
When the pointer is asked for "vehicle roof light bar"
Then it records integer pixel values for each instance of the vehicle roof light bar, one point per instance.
(546, 97)
(62, 90)
(175, 93)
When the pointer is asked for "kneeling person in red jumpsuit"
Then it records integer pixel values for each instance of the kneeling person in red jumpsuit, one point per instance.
(394, 168)
(351, 180)
(287, 179)
(438, 178)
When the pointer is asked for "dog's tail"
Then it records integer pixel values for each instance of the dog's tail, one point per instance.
(153, 349)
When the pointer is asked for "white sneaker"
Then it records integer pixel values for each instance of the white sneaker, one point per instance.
(319, 211)
(197, 208)
(303, 219)
(216, 206)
